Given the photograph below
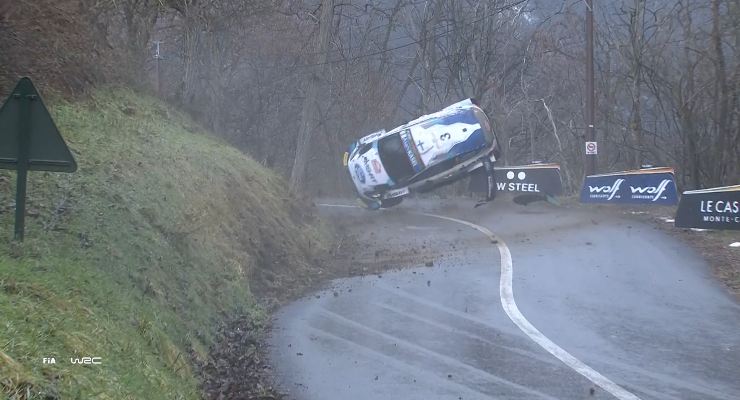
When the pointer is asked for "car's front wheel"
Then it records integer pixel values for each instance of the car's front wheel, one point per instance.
(393, 201)
(369, 204)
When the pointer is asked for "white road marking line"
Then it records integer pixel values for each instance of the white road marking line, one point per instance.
(506, 292)
(337, 205)
(398, 363)
(507, 301)
(434, 354)
(463, 332)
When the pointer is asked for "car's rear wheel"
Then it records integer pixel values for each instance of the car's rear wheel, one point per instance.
(393, 201)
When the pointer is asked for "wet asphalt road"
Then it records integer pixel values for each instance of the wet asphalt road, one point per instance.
(627, 300)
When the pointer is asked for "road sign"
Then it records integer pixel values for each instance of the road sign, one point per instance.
(30, 141)
(591, 148)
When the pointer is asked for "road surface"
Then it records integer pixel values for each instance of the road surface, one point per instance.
(590, 306)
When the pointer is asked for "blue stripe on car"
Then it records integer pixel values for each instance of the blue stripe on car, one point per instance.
(463, 116)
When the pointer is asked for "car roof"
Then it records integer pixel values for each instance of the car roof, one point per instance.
(375, 136)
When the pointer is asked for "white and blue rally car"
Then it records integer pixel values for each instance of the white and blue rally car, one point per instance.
(421, 155)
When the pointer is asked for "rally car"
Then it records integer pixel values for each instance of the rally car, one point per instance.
(421, 155)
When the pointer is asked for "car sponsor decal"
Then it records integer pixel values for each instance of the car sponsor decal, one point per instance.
(396, 193)
(366, 163)
(377, 167)
(373, 136)
(359, 174)
(408, 144)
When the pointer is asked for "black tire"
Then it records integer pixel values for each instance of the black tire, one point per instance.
(393, 201)
(370, 205)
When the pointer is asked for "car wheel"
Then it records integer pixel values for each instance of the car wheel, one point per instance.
(368, 204)
(393, 201)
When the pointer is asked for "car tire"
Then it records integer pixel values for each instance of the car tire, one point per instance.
(393, 201)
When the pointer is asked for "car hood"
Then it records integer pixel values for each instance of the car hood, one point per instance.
(367, 170)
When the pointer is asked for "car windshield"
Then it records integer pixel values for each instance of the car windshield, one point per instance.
(485, 123)
(394, 158)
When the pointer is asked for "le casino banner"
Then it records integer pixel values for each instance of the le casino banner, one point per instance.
(714, 208)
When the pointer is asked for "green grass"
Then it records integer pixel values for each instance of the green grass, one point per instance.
(139, 255)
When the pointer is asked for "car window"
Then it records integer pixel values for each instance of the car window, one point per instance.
(485, 123)
(394, 158)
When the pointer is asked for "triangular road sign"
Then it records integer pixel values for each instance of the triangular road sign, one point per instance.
(26, 126)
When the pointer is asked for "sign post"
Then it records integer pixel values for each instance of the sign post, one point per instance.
(29, 140)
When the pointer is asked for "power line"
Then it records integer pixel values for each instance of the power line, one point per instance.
(413, 42)
(381, 11)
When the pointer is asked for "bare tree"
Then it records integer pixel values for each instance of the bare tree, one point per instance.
(310, 112)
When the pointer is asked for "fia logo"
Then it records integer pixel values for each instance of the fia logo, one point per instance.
(49, 360)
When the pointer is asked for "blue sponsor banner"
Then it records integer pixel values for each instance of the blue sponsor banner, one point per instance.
(643, 186)
(715, 208)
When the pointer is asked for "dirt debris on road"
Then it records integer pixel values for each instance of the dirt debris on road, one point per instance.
(237, 368)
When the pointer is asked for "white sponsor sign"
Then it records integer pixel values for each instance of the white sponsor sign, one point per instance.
(605, 192)
(650, 192)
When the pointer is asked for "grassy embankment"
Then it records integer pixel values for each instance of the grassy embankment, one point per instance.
(138, 256)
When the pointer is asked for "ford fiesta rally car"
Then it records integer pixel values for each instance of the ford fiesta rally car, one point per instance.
(423, 154)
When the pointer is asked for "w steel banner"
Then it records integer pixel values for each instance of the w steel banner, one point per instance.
(534, 178)
(715, 208)
(641, 186)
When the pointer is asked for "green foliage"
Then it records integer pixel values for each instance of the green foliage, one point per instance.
(138, 256)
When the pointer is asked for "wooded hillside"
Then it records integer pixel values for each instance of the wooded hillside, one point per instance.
(266, 76)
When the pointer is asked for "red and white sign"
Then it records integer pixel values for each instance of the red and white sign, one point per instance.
(591, 148)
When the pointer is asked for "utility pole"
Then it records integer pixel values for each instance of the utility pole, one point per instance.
(590, 106)
(157, 57)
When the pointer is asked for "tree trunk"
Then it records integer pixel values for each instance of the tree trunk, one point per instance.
(721, 101)
(637, 42)
(310, 110)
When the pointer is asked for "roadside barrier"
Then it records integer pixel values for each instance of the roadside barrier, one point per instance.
(714, 208)
(642, 186)
(542, 179)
